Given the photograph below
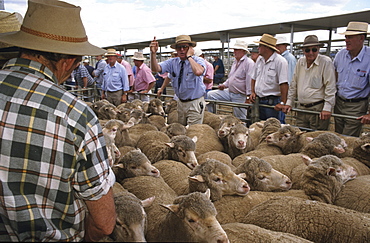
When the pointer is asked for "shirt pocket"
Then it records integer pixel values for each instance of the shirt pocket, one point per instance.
(271, 76)
(115, 76)
(315, 82)
(359, 80)
(189, 80)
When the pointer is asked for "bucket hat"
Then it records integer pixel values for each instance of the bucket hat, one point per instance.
(311, 40)
(139, 56)
(183, 39)
(240, 44)
(269, 41)
(111, 52)
(52, 26)
(281, 40)
(356, 28)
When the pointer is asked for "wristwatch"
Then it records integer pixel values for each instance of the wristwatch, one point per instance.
(188, 57)
(282, 103)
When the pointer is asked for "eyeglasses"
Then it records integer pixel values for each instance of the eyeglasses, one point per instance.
(182, 47)
(307, 50)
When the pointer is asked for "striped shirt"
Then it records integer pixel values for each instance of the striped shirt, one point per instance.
(52, 154)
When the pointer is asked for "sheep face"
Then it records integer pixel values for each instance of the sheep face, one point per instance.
(197, 214)
(136, 116)
(182, 148)
(219, 178)
(287, 138)
(226, 124)
(155, 107)
(134, 163)
(239, 137)
(107, 111)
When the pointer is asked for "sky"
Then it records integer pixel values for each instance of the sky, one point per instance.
(112, 22)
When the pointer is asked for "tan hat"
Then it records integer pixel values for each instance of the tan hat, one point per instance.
(111, 52)
(240, 44)
(268, 40)
(183, 39)
(311, 40)
(139, 56)
(9, 22)
(356, 28)
(52, 26)
(281, 40)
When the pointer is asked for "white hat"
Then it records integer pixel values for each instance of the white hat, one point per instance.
(240, 44)
(197, 51)
(281, 40)
(86, 61)
(139, 56)
(356, 28)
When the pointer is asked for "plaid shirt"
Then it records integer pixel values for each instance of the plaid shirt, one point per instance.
(52, 156)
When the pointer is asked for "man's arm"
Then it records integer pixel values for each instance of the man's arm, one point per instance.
(164, 85)
(153, 56)
(195, 67)
(101, 218)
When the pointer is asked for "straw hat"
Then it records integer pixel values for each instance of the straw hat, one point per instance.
(268, 40)
(52, 26)
(356, 28)
(281, 40)
(111, 52)
(311, 40)
(240, 44)
(183, 39)
(138, 56)
(9, 22)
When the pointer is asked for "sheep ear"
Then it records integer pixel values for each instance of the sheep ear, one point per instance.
(339, 149)
(147, 202)
(196, 178)
(330, 171)
(120, 165)
(252, 129)
(187, 126)
(208, 193)
(171, 145)
(242, 175)
(307, 160)
(195, 139)
(172, 207)
(309, 139)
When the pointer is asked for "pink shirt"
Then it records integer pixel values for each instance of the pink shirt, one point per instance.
(209, 74)
(143, 77)
(129, 72)
(239, 79)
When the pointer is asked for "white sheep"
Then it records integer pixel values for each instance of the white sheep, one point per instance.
(151, 143)
(238, 141)
(361, 149)
(220, 156)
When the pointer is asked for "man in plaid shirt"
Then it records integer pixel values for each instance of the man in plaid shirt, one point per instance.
(55, 179)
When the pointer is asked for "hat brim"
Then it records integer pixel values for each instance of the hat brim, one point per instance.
(139, 59)
(193, 44)
(241, 48)
(313, 44)
(271, 46)
(112, 55)
(29, 41)
(353, 33)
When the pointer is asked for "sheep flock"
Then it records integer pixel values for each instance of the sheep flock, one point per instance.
(222, 181)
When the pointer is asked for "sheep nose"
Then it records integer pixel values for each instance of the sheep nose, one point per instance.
(241, 142)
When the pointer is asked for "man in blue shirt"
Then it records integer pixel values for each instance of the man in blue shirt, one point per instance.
(187, 71)
(353, 85)
(115, 80)
(218, 65)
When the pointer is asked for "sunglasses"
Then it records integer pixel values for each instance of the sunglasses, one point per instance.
(182, 47)
(307, 50)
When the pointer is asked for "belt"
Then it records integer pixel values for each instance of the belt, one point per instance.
(352, 100)
(186, 100)
(312, 104)
(269, 97)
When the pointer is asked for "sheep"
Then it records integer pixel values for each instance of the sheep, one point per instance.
(138, 116)
(134, 104)
(324, 177)
(151, 143)
(226, 123)
(355, 194)
(245, 233)
(171, 111)
(207, 138)
(174, 129)
(238, 141)
(219, 178)
(233, 209)
(123, 114)
(136, 131)
(220, 156)
(191, 218)
(155, 107)
(288, 138)
(97, 105)
(112, 150)
(157, 120)
(312, 220)
(134, 163)
(271, 125)
(262, 177)
(175, 174)
(107, 111)
(213, 120)
(361, 149)
(131, 217)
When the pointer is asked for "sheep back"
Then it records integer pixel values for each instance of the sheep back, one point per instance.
(151, 143)
(207, 138)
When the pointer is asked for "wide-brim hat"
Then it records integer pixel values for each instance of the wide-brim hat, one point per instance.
(111, 52)
(240, 44)
(311, 40)
(139, 56)
(268, 40)
(356, 28)
(52, 26)
(280, 40)
(183, 39)
(9, 22)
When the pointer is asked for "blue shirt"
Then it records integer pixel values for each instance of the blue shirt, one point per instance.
(115, 78)
(192, 86)
(353, 74)
(292, 61)
(221, 68)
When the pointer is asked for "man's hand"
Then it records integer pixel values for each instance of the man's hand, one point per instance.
(325, 115)
(365, 119)
(221, 87)
(154, 45)
(190, 51)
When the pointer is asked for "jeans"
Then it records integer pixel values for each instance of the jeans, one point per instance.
(265, 112)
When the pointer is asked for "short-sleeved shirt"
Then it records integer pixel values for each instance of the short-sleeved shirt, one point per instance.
(81, 72)
(143, 77)
(221, 68)
(209, 74)
(292, 61)
(239, 79)
(99, 71)
(128, 71)
(353, 74)
(270, 74)
(192, 86)
(53, 156)
(115, 78)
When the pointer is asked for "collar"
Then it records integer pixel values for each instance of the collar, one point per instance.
(360, 55)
